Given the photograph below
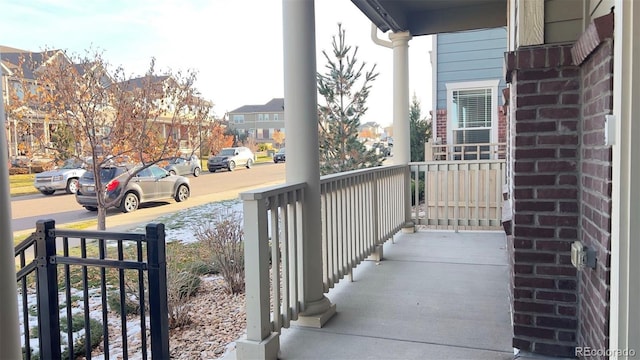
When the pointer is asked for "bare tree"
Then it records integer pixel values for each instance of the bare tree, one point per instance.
(116, 117)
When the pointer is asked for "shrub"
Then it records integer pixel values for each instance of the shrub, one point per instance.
(420, 191)
(132, 303)
(202, 268)
(77, 324)
(224, 238)
(181, 286)
(18, 171)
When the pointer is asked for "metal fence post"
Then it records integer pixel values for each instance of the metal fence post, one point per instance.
(48, 308)
(158, 308)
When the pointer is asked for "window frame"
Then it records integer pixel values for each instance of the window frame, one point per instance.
(452, 124)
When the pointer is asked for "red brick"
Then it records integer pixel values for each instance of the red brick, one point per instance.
(555, 270)
(537, 74)
(536, 100)
(534, 282)
(569, 84)
(535, 127)
(527, 306)
(556, 322)
(535, 206)
(557, 193)
(558, 221)
(534, 180)
(556, 166)
(556, 296)
(554, 245)
(536, 153)
(534, 257)
(539, 333)
(567, 284)
(559, 113)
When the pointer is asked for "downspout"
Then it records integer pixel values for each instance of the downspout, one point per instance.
(376, 40)
(401, 128)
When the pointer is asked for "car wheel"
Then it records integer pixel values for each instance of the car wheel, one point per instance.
(249, 163)
(172, 172)
(275, 161)
(47, 192)
(196, 172)
(91, 208)
(72, 186)
(231, 166)
(129, 203)
(182, 194)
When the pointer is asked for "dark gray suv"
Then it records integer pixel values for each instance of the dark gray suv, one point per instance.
(229, 158)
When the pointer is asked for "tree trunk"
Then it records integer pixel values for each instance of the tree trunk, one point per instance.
(102, 218)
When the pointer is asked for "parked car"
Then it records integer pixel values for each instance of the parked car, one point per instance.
(229, 158)
(184, 166)
(150, 184)
(64, 178)
(279, 156)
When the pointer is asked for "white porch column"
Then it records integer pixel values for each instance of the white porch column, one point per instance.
(303, 157)
(401, 137)
(9, 324)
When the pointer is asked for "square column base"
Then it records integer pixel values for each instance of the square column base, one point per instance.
(316, 320)
(266, 349)
(377, 253)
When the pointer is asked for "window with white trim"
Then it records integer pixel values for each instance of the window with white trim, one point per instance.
(472, 116)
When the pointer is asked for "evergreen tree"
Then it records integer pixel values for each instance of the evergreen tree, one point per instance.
(420, 130)
(345, 90)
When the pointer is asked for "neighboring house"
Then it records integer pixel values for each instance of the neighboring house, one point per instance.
(26, 126)
(188, 136)
(29, 130)
(371, 128)
(468, 79)
(259, 121)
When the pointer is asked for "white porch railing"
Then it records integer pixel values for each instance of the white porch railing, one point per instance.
(458, 193)
(360, 209)
(448, 152)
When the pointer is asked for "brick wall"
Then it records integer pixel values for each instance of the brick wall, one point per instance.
(545, 91)
(441, 125)
(595, 202)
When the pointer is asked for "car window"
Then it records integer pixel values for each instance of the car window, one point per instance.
(227, 152)
(144, 173)
(108, 173)
(158, 172)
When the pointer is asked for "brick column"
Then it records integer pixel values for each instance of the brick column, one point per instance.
(441, 125)
(594, 52)
(545, 94)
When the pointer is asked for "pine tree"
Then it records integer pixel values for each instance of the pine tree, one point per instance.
(420, 131)
(345, 92)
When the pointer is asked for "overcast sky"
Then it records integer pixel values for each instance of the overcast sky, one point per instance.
(235, 45)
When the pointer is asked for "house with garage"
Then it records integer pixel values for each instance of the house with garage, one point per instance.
(259, 122)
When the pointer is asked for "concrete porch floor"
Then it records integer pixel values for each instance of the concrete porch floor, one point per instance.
(436, 295)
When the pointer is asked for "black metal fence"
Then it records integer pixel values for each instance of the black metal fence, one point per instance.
(85, 293)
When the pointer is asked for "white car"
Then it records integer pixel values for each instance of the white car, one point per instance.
(64, 178)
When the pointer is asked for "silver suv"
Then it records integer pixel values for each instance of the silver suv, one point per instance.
(229, 158)
(64, 178)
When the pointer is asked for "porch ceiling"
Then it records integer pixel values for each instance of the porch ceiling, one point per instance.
(425, 17)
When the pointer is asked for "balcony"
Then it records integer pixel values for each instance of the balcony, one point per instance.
(399, 294)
